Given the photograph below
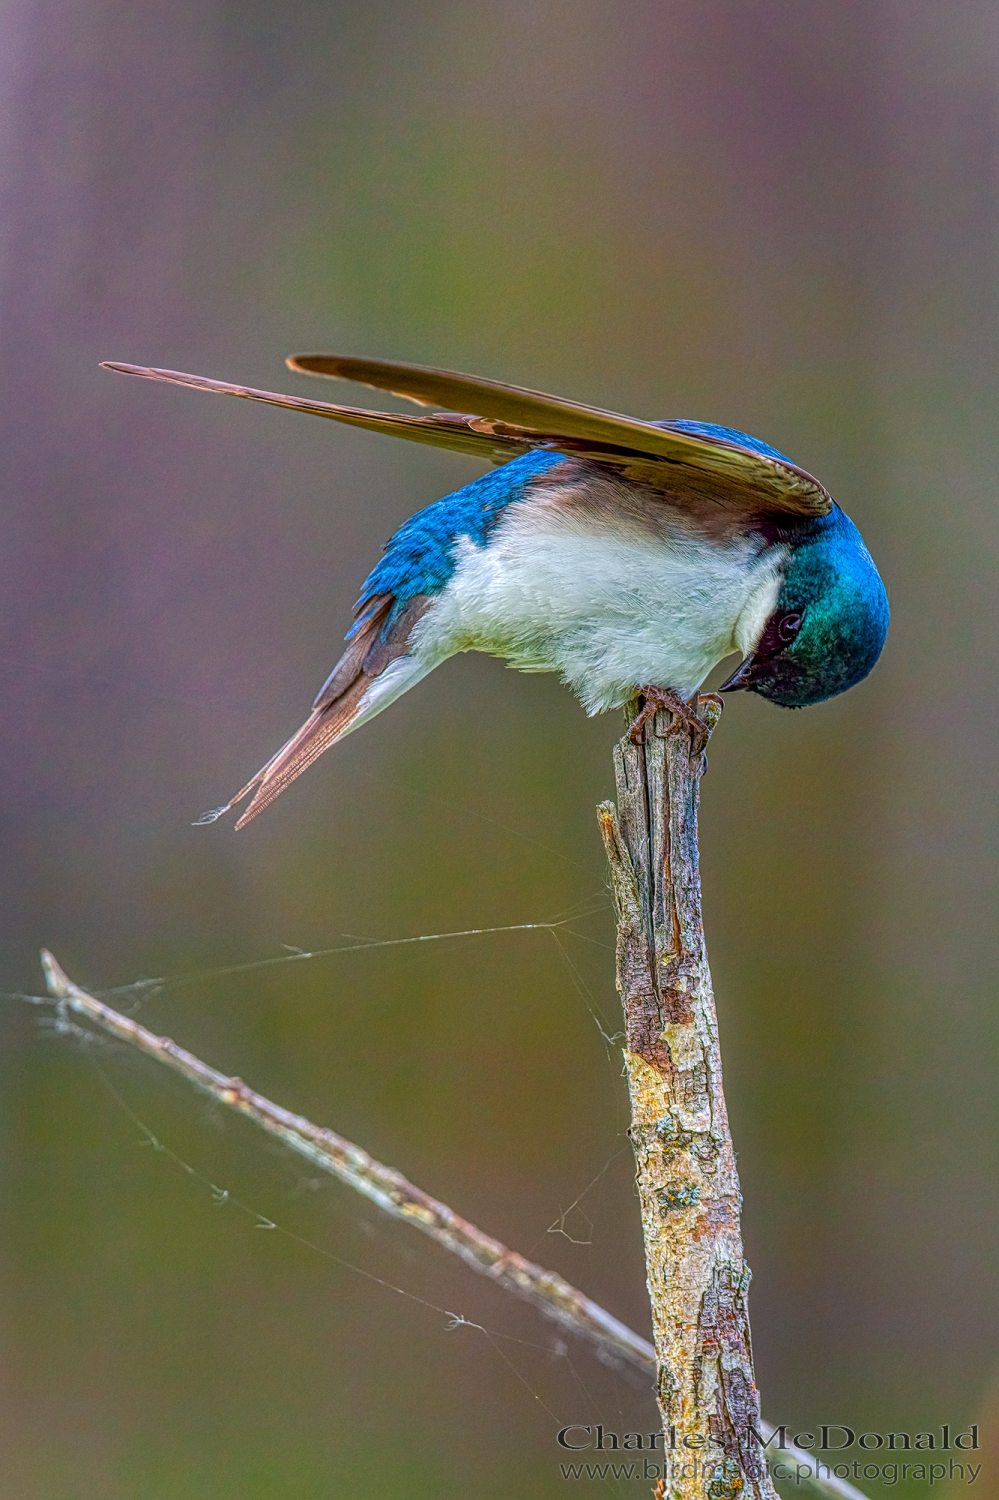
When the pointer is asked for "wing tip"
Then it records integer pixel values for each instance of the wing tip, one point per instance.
(301, 363)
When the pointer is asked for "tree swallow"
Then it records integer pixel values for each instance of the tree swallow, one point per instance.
(627, 556)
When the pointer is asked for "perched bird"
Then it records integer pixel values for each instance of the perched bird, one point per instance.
(628, 556)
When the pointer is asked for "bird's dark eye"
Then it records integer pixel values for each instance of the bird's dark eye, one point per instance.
(788, 627)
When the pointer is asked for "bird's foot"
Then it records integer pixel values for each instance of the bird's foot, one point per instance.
(685, 714)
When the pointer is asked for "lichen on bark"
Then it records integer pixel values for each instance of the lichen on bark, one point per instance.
(688, 1185)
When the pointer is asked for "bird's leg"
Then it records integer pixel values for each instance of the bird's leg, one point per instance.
(684, 714)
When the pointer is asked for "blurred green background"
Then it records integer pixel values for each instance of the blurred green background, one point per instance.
(778, 215)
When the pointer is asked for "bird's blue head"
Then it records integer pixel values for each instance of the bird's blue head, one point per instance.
(830, 621)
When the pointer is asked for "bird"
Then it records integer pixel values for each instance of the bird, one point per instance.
(628, 556)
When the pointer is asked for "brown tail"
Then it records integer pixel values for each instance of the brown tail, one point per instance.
(335, 710)
(321, 729)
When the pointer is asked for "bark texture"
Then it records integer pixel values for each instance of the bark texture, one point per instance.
(687, 1180)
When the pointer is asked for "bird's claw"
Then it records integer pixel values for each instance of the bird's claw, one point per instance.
(685, 716)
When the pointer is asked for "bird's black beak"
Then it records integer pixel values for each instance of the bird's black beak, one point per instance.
(742, 677)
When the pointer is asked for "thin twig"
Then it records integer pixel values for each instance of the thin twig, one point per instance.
(383, 1185)
(390, 1191)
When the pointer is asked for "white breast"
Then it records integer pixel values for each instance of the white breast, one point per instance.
(611, 601)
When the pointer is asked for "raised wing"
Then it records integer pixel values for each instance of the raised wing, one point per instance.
(689, 468)
(443, 430)
(509, 412)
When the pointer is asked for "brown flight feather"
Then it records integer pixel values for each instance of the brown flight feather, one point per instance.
(513, 412)
(517, 420)
(321, 729)
(336, 707)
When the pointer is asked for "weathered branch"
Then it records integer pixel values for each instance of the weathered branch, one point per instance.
(401, 1199)
(382, 1185)
(687, 1181)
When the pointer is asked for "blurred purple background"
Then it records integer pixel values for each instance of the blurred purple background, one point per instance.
(779, 216)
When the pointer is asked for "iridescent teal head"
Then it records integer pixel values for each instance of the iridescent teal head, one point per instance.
(830, 621)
